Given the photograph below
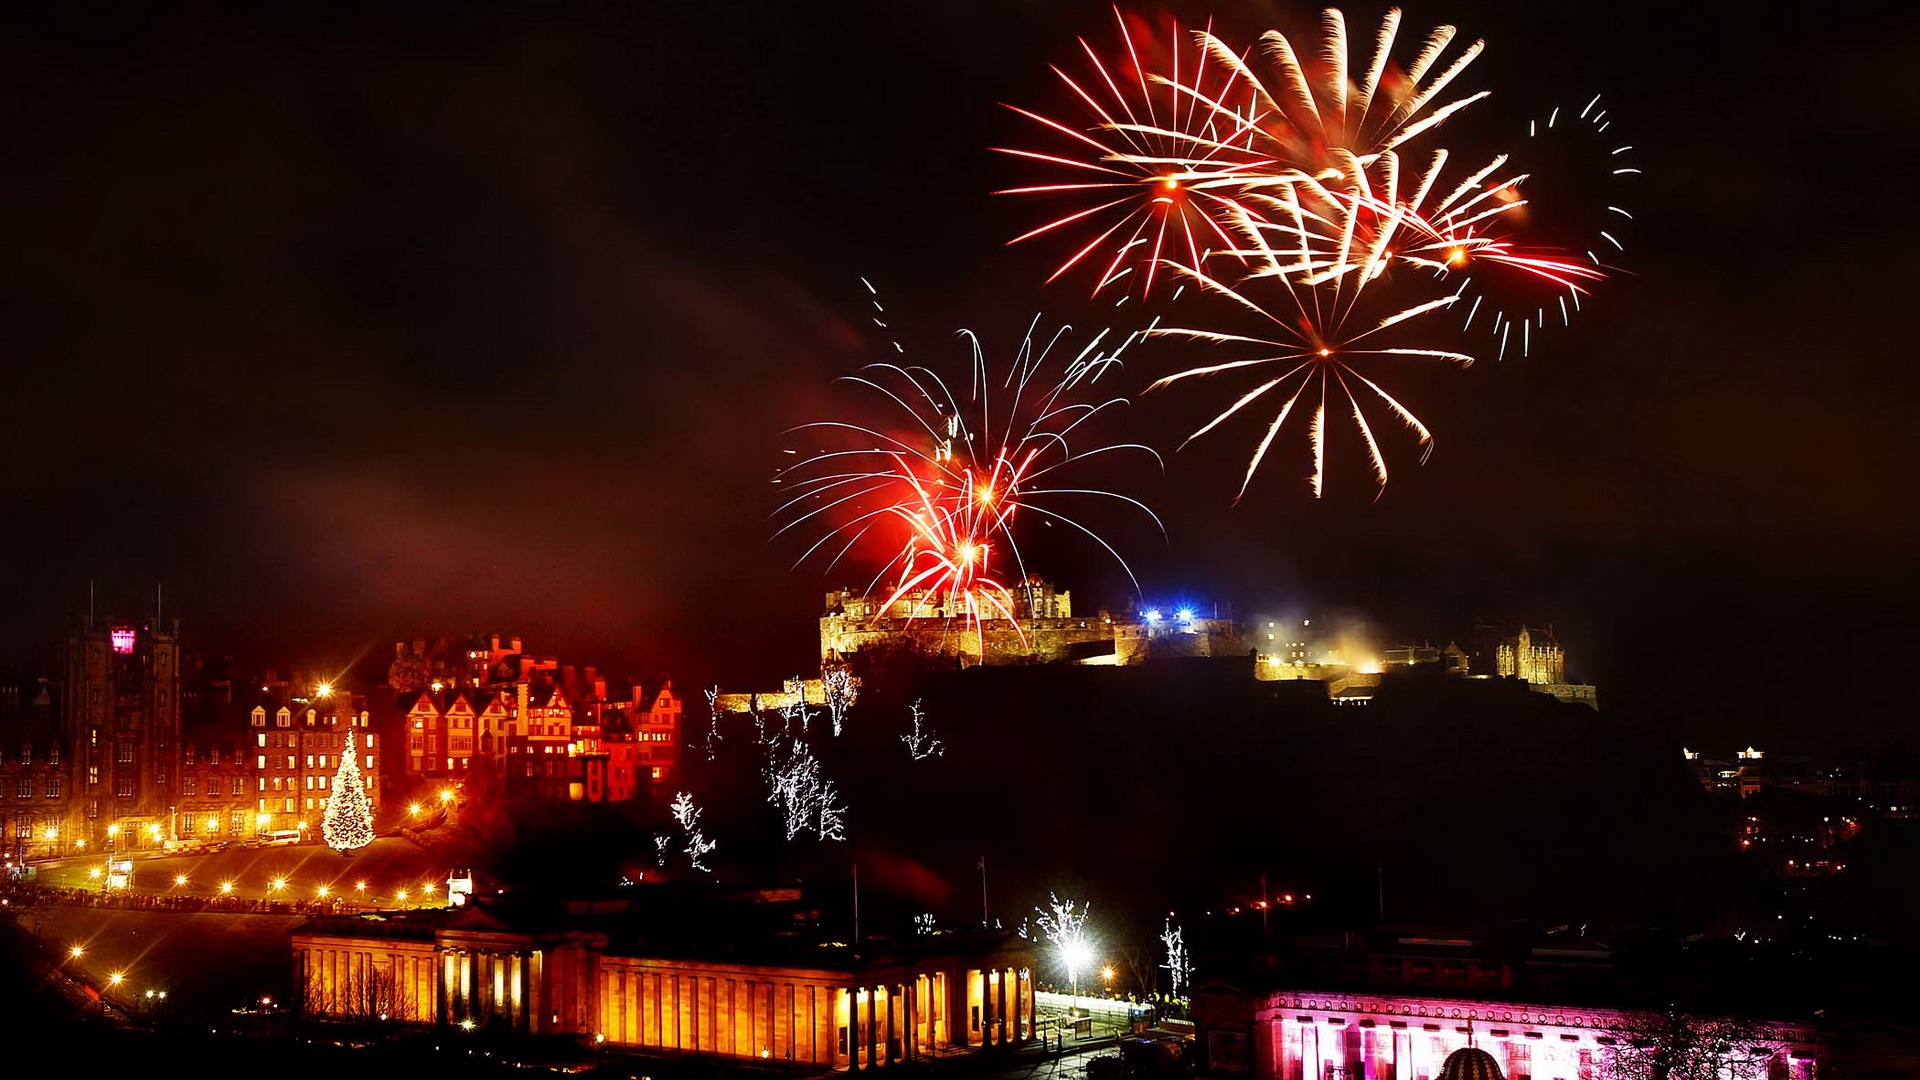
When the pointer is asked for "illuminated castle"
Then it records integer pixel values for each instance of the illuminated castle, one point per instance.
(1044, 630)
(1350, 664)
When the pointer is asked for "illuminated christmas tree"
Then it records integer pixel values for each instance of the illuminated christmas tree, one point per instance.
(348, 822)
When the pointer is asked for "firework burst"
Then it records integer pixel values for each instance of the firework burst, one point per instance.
(1526, 248)
(1327, 220)
(1316, 355)
(937, 491)
(1154, 166)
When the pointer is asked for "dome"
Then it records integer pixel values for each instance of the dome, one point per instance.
(1470, 1063)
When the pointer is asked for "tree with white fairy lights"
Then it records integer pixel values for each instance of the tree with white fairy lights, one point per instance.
(348, 821)
(1178, 964)
(1064, 925)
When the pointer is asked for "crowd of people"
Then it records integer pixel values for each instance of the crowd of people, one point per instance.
(26, 894)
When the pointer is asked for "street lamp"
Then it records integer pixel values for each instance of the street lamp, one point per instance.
(1077, 954)
(1107, 974)
(113, 836)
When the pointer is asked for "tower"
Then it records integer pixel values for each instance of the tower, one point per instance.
(122, 720)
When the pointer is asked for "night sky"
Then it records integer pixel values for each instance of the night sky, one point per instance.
(345, 325)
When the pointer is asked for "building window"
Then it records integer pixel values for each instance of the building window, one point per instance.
(123, 752)
(53, 787)
(190, 786)
(24, 787)
(239, 785)
(53, 754)
(123, 787)
(186, 755)
(93, 778)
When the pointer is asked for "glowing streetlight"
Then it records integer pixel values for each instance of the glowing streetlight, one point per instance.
(179, 880)
(1077, 954)
(226, 888)
(1107, 974)
(113, 836)
(77, 951)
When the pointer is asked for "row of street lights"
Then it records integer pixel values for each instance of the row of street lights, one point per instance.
(150, 999)
(321, 892)
(154, 834)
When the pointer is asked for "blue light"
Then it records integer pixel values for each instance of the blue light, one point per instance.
(1185, 614)
(1153, 614)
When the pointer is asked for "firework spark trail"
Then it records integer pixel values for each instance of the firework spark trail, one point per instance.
(941, 495)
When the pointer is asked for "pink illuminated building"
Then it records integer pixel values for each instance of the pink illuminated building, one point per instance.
(1314, 1035)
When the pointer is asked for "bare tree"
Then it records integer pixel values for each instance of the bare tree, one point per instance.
(1139, 961)
(1673, 1045)
(363, 996)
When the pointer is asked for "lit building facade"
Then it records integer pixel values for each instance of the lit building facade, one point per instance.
(1315, 1035)
(121, 728)
(35, 777)
(589, 973)
(1043, 629)
(443, 727)
(296, 746)
(217, 798)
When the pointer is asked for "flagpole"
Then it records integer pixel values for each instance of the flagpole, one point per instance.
(985, 919)
(856, 909)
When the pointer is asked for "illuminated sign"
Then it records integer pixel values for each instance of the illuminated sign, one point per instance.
(123, 639)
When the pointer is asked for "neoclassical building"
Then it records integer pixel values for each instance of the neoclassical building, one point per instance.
(1332, 1035)
(743, 975)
